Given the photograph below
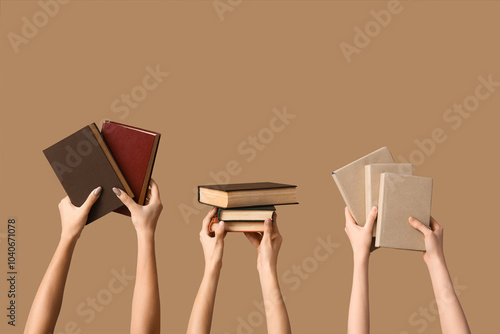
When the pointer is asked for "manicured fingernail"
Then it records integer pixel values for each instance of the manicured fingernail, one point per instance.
(117, 191)
(97, 191)
(374, 208)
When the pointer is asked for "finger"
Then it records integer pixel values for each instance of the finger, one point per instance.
(219, 231)
(348, 217)
(370, 219)
(434, 224)
(129, 202)
(155, 191)
(208, 219)
(268, 229)
(419, 226)
(254, 238)
(274, 222)
(91, 199)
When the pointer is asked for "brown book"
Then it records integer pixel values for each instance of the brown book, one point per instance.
(400, 197)
(82, 162)
(134, 149)
(247, 214)
(237, 226)
(247, 194)
(372, 182)
(350, 180)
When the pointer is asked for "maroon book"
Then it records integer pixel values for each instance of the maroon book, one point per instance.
(134, 150)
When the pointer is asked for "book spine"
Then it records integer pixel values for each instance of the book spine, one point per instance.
(381, 210)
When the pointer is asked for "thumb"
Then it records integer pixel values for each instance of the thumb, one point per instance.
(419, 226)
(268, 228)
(91, 199)
(129, 202)
(370, 219)
(219, 231)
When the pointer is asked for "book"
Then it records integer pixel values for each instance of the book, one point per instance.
(82, 162)
(372, 182)
(400, 197)
(350, 181)
(246, 214)
(134, 150)
(247, 194)
(245, 226)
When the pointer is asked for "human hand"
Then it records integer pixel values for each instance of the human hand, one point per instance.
(360, 236)
(73, 218)
(433, 239)
(144, 217)
(212, 242)
(268, 245)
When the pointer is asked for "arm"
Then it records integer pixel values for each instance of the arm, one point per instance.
(451, 315)
(268, 245)
(213, 247)
(146, 300)
(47, 303)
(361, 240)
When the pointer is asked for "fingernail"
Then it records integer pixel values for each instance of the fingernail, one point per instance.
(97, 191)
(117, 191)
(268, 221)
(221, 224)
(411, 219)
(374, 208)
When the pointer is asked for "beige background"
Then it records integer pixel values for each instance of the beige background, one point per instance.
(226, 77)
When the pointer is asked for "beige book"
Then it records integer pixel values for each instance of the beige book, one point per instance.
(400, 197)
(350, 180)
(372, 182)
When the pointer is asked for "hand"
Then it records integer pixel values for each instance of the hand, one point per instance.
(268, 244)
(73, 218)
(144, 217)
(212, 242)
(433, 239)
(360, 236)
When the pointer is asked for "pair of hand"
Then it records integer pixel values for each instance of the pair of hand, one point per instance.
(361, 236)
(268, 243)
(144, 218)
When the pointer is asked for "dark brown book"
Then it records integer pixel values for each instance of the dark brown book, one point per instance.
(134, 149)
(247, 194)
(82, 162)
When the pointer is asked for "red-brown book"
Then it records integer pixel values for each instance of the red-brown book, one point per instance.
(135, 151)
(82, 162)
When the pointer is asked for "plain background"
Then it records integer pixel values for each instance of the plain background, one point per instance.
(226, 78)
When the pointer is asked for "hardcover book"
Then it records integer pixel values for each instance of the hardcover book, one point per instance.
(372, 182)
(247, 194)
(232, 226)
(255, 213)
(400, 197)
(82, 162)
(350, 181)
(134, 150)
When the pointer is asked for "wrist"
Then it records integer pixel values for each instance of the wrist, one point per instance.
(267, 270)
(69, 238)
(361, 257)
(213, 269)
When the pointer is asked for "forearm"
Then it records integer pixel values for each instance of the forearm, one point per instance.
(276, 313)
(359, 312)
(200, 320)
(146, 300)
(47, 303)
(451, 315)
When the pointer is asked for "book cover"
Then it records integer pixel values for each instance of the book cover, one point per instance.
(247, 194)
(372, 182)
(134, 150)
(82, 162)
(255, 213)
(400, 197)
(350, 181)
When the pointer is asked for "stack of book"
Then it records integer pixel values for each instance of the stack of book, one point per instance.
(244, 206)
(119, 156)
(376, 180)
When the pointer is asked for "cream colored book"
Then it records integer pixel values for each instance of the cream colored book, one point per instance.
(372, 182)
(400, 197)
(350, 180)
